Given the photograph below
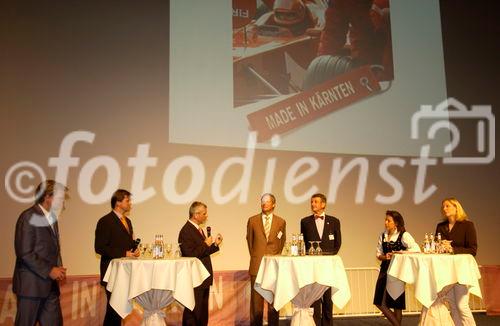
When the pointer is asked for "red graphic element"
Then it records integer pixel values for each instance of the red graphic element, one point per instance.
(310, 105)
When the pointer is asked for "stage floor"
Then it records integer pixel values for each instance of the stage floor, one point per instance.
(410, 320)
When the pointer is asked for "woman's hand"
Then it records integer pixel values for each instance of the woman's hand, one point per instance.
(387, 256)
(446, 245)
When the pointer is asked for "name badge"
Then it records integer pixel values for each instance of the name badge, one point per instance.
(280, 234)
(331, 237)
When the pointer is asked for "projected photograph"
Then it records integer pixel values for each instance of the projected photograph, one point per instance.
(303, 70)
(283, 47)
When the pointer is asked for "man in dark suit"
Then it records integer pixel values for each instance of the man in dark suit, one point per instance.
(324, 228)
(194, 243)
(266, 235)
(114, 239)
(38, 258)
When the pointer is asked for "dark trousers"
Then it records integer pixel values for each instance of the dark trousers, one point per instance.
(323, 309)
(47, 310)
(112, 318)
(199, 315)
(257, 308)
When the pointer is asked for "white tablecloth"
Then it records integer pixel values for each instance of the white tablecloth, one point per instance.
(302, 280)
(168, 279)
(431, 273)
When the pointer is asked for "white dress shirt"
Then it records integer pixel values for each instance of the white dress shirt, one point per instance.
(320, 223)
(406, 239)
(50, 219)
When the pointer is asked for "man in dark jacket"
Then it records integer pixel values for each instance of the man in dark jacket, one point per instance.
(324, 228)
(195, 243)
(38, 258)
(114, 239)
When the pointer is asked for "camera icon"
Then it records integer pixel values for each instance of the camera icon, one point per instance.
(451, 108)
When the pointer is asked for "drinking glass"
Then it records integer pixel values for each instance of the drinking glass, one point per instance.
(149, 250)
(311, 252)
(319, 252)
(286, 249)
(140, 247)
(168, 249)
(178, 252)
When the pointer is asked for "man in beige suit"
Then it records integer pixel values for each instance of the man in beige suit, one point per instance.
(266, 235)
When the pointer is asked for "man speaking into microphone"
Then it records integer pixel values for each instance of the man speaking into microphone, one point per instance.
(195, 243)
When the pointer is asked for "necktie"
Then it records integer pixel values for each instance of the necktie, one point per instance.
(124, 222)
(52, 222)
(55, 228)
(267, 226)
(59, 257)
(318, 216)
(202, 233)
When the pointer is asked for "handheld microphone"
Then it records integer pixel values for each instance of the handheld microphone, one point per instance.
(135, 244)
(209, 231)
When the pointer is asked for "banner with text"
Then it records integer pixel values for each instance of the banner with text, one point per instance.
(83, 301)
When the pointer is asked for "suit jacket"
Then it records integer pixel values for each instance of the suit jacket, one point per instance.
(37, 252)
(112, 240)
(258, 245)
(463, 235)
(332, 228)
(193, 245)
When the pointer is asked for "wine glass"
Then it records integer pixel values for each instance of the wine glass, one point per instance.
(149, 250)
(319, 252)
(141, 249)
(168, 249)
(311, 251)
(286, 249)
(178, 252)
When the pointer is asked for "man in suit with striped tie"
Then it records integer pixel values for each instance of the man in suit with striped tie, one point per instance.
(266, 235)
(324, 228)
(114, 239)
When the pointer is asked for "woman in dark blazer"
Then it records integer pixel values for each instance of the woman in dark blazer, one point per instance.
(457, 228)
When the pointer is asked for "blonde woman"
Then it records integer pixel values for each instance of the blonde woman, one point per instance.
(457, 228)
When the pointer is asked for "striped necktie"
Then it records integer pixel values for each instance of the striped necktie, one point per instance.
(267, 226)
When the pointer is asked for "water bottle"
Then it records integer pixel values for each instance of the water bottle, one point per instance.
(294, 249)
(427, 244)
(433, 244)
(439, 246)
(161, 247)
(302, 245)
(155, 247)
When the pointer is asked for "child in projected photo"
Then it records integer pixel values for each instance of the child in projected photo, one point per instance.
(394, 238)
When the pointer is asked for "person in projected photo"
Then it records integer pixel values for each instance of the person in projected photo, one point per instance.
(114, 238)
(394, 238)
(39, 267)
(266, 235)
(293, 15)
(462, 233)
(360, 29)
